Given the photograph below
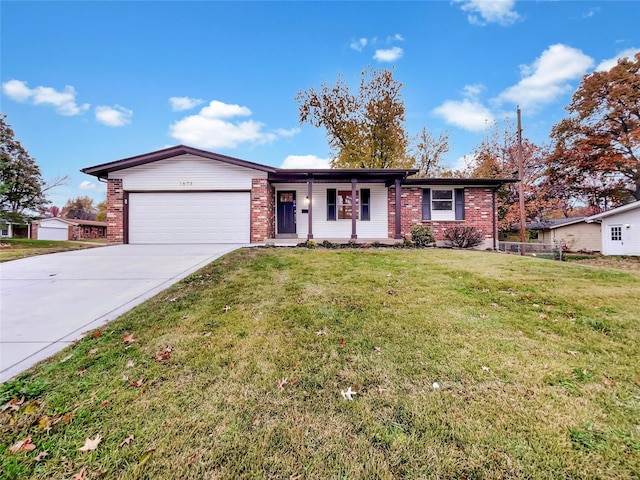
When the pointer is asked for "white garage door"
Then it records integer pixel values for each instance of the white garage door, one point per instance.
(190, 217)
(51, 233)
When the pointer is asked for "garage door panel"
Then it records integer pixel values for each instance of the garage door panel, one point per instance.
(189, 217)
(50, 233)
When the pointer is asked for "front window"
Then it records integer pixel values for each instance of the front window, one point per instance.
(346, 205)
(442, 200)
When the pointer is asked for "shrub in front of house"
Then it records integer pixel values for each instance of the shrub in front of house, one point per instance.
(422, 236)
(463, 236)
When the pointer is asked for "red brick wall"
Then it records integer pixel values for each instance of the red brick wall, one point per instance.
(262, 210)
(78, 232)
(478, 205)
(115, 211)
(34, 231)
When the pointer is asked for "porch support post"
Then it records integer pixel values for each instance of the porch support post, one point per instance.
(310, 208)
(354, 208)
(398, 232)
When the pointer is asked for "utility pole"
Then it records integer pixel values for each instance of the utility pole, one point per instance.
(521, 181)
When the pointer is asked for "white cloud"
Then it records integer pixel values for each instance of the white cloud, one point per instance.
(287, 133)
(305, 161)
(217, 109)
(548, 77)
(87, 185)
(359, 44)
(179, 104)
(467, 114)
(388, 55)
(64, 102)
(116, 116)
(395, 38)
(214, 127)
(490, 11)
(472, 91)
(608, 64)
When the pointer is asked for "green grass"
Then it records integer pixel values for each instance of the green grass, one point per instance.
(559, 397)
(15, 248)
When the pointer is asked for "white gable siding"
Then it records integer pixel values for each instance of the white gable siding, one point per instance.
(377, 227)
(187, 172)
(630, 236)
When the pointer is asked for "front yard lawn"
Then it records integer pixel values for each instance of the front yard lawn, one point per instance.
(15, 248)
(465, 365)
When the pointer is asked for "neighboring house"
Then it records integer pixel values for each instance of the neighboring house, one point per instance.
(15, 229)
(620, 229)
(185, 195)
(88, 229)
(574, 234)
(58, 228)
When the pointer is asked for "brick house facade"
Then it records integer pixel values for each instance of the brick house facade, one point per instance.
(204, 193)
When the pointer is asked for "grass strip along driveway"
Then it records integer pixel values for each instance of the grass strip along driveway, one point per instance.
(15, 248)
(464, 364)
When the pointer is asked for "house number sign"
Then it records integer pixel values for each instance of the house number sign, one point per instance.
(186, 184)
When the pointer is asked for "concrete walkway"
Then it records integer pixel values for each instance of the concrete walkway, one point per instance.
(48, 301)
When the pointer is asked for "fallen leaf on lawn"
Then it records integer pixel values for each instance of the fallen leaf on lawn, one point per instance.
(485, 368)
(385, 304)
(79, 373)
(543, 316)
(128, 338)
(320, 332)
(97, 334)
(93, 351)
(125, 378)
(378, 350)
(529, 295)
(609, 383)
(195, 456)
(13, 404)
(41, 455)
(391, 291)
(485, 290)
(436, 385)
(45, 423)
(137, 383)
(281, 383)
(105, 403)
(207, 334)
(22, 446)
(91, 443)
(226, 308)
(126, 441)
(81, 475)
(535, 305)
(571, 352)
(68, 357)
(174, 299)
(484, 315)
(29, 409)
(341, 342)
(146, 456)
(130, 363)
(348, 394)
(493, 304)
(164, 354)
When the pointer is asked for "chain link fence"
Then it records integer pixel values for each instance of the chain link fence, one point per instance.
(552, 251)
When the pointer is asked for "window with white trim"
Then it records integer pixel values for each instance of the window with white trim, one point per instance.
(616, 234)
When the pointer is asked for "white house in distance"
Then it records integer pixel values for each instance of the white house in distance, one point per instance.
(620, 229)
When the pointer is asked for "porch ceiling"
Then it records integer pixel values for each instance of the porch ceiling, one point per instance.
(339, 175)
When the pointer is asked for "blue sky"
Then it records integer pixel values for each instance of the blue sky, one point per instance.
(85, 83)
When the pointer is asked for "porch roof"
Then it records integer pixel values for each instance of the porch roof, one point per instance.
(361, 175)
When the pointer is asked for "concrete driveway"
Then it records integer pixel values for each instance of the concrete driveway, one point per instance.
(48, 301)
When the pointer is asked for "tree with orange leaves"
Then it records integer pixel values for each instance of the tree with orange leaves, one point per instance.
(597, 148)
